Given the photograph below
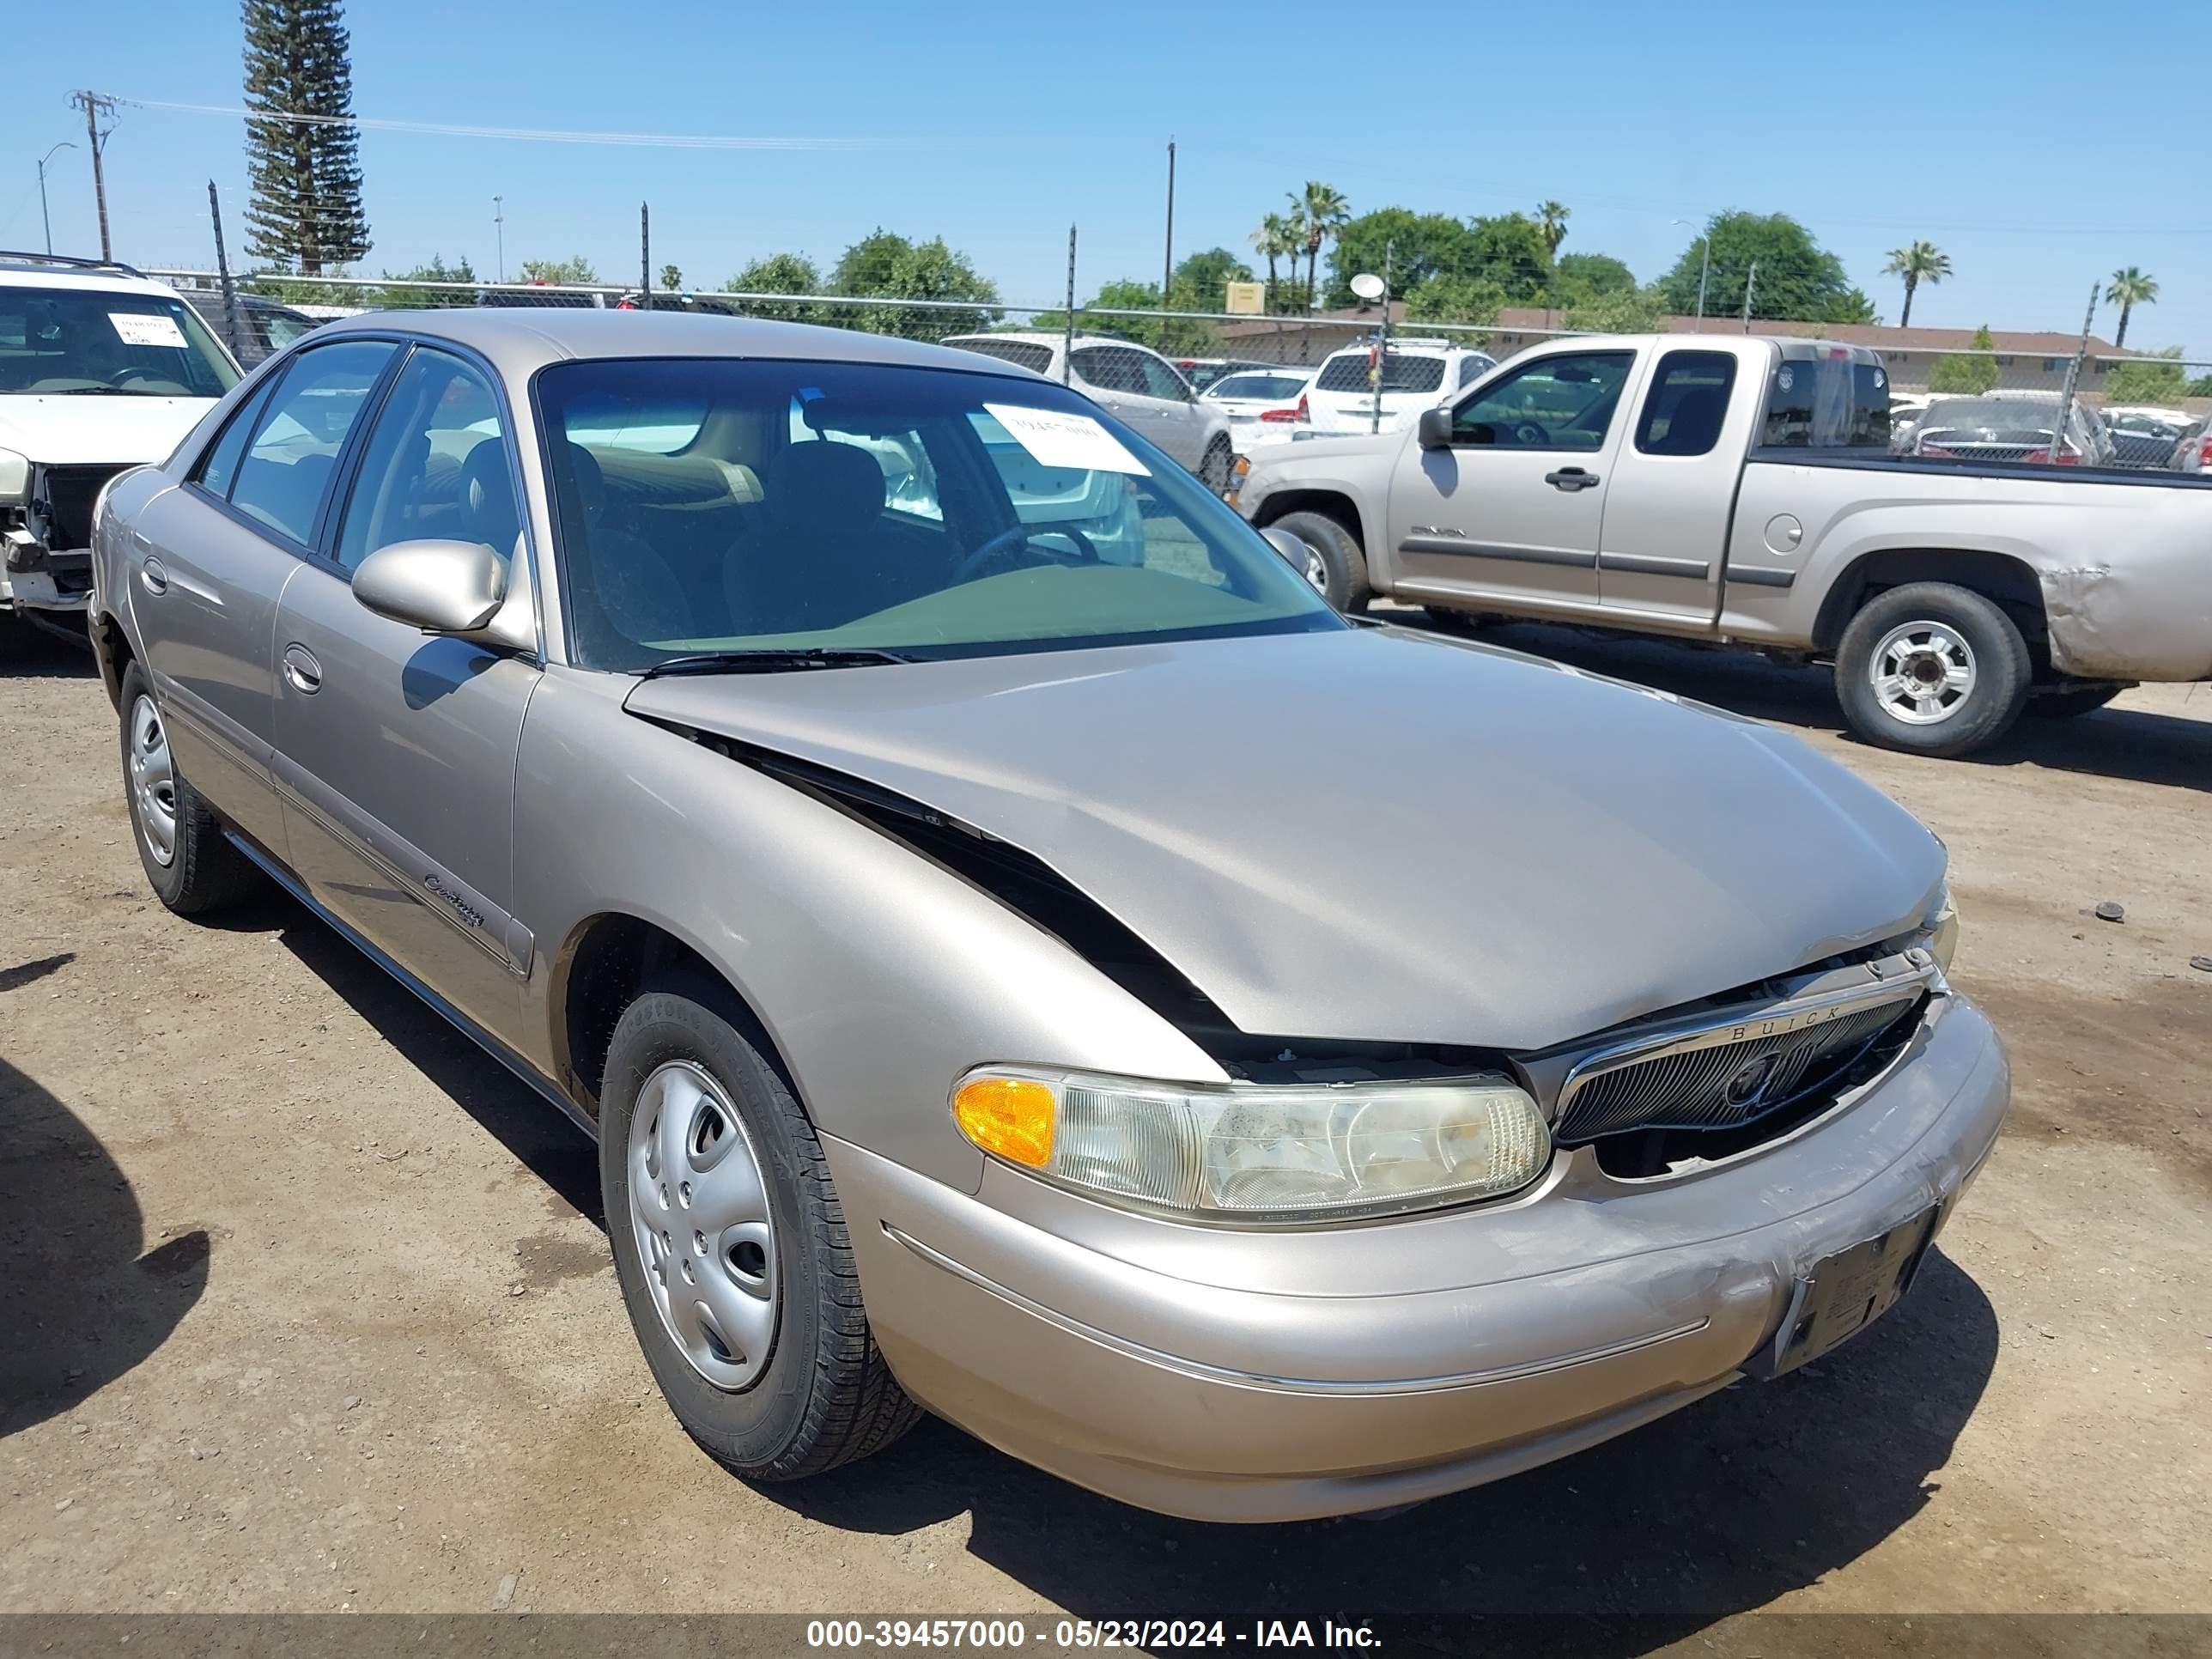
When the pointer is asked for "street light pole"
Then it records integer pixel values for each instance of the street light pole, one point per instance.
(499, 230)
(1704, 270)
(44, 217)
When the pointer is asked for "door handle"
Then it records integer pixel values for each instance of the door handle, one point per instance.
(301, 669)
(152, 575)
(1571, 478)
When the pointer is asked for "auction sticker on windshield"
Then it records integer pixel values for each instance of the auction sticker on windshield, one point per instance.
(1055, 439)
(136, 328)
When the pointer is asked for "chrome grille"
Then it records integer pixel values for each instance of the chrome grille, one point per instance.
(1730, 1071)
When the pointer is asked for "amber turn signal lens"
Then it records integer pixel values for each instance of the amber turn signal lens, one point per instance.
(1010, 1117)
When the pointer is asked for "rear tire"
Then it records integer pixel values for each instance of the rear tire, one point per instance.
(1931, 669)
(1343, 566)
(191, 866)
(811, 1390)
(2075, 700)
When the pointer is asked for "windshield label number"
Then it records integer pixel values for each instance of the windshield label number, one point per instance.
(1075, 442)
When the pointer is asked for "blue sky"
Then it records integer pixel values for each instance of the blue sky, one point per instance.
(2040, 145)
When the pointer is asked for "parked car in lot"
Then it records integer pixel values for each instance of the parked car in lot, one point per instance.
(1415, 373)
(942, 930)
(2014, 426)
(1135, 382)
(1264, 405)
(264, 327)
(1740, 490)
(101, 369)
(2146, 437)
(2193, 453)
(1203, 372)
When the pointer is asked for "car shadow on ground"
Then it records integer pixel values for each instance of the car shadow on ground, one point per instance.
(2132, 745)
(31, 653)
(1715, 1510)
(79, 1305)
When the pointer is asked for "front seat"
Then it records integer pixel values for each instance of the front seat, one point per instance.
(820, 562)
(625, 592)
(1695, 426)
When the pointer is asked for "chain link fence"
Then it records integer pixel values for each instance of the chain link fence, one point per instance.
(2037, 397)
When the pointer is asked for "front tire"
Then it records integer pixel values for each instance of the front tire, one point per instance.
(1339, 568)
(1213, 471)
(1931, 669)
(731, 1248)
(191, 866)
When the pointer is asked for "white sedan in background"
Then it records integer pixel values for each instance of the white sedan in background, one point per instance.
(1264, 405)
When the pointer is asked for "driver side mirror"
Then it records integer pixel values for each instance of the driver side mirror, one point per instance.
(1434, 430)
(439, 586)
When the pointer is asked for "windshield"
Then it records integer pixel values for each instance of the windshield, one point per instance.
(93, 341)
(1347, 372)
(856, 507)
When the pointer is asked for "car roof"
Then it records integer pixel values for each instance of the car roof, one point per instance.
(57, 271)
(520, 341)
(1053, 338)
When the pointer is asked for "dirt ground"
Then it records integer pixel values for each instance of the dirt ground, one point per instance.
(306, 1306)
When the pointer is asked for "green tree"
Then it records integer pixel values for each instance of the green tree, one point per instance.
(558, 273)
(398, 295)
(1273, 239)
(1582, 277)
(671, 278)
(2157, 380)
(1617, 311)
(305, 209)
(1201, 281)
(1449, 297)
(883, 265)
(779, 273)
(1798, 279)
(1967, 375)
(2200, 386)
(1551, 221)
(1322, 212)
(1413, 247)
(1509, 251)
(2128, 288)
(1917, 263)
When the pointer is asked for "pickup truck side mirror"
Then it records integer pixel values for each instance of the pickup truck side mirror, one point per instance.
(1435, 431)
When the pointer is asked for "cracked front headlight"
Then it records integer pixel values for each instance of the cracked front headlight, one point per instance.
(1251, 1153)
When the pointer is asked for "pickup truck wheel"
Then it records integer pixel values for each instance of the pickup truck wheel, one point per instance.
(730, 1246)
(1932, 669)
(190, 866)
(2074, 700)
(1337, 569)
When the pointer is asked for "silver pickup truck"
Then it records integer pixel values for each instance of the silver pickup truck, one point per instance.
(1740, 490)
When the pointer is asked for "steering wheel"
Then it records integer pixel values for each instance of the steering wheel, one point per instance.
(1530, 435)
(131, 372)
(1026, 537)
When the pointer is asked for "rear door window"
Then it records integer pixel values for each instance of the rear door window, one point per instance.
(1688, 400)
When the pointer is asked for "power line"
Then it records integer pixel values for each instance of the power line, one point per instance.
(536, 135)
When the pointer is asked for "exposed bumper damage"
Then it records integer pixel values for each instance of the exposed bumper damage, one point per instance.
(2147, 619)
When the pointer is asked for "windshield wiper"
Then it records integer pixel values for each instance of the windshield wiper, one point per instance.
(770, 661)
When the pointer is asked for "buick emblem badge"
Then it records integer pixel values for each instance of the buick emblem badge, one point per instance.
(1751, 1081)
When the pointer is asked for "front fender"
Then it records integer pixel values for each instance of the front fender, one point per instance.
(880, 976)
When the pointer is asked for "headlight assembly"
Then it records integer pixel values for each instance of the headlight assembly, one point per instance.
(15, 477)
(1239, 1153)
(1943, 929)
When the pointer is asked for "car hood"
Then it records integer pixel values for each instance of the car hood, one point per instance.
(65, 431)
(1376, 835)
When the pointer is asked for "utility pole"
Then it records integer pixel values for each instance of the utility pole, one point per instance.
(44, 218)
(2072, 379)
(1704, 270)
(230, 318)
(1067, 333)
(645, 256)
(1167, 266)
(499, 232)
(94, 105)
(1750, 286)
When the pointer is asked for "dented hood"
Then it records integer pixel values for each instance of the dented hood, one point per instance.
(1373, 834)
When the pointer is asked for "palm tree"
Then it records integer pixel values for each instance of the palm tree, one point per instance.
(1294, 237)
(1319, 212)
(1273, 239)
(1918, 262)
(2129, 288)
(1552, 220)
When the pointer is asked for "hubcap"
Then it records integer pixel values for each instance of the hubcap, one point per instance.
(699, 1205)
(1923, 673)
(152, 781)
(1317, 573)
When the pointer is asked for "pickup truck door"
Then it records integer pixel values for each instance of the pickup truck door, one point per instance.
(1511, 510)
(1673, 486)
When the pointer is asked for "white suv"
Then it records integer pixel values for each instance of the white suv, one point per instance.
(102, 370)
(1416, 374)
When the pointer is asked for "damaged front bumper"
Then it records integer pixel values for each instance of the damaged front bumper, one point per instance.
(34, 577)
